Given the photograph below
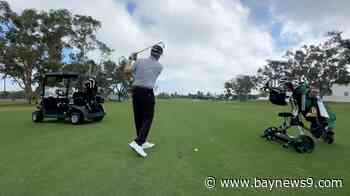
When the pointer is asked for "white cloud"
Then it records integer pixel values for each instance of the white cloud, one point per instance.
(207, 41)
(308, 21)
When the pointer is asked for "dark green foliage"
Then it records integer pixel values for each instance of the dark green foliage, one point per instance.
(33, 43)
(320, 65)
(240, 86)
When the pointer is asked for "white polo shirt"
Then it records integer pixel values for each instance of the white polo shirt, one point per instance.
(146, 72)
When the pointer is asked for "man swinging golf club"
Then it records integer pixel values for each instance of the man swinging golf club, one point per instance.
(145, 73)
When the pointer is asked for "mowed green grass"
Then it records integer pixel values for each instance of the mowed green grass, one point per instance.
(57, 158)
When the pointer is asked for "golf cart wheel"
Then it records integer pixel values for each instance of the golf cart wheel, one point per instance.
(269, 133)
(37, 116)
(304, 144)
(76, 118)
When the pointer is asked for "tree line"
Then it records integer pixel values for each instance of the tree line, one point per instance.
(321, 66)
(34, 42)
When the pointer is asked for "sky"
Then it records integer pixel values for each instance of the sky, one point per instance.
(207, 41)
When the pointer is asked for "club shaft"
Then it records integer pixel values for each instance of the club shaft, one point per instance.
(140, 51)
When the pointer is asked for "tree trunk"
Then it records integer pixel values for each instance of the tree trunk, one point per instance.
(28, 85)
(4, 84)
(119, 95)
(28, 96)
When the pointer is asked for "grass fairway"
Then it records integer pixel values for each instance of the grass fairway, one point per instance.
(55, 158)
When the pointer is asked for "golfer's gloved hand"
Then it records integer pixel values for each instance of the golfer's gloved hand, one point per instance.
(133, 56)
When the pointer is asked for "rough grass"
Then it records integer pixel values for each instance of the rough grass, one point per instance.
(57, 158)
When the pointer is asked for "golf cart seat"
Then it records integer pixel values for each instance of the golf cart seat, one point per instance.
(79, 98)
(50, 105)
(285, 114)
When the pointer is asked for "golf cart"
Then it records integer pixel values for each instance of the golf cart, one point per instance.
(61, 100)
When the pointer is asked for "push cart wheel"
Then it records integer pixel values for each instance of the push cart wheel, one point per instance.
(37, 116)
(304, 144)
(269, 133)
(328, 137)
(76, 118)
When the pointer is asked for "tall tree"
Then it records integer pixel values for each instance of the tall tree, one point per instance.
(56, 30)
(242, 86)
(21, 46)
(321, 66)
(84, 38)
(83, 41)
(56, 27)
(33, 43)
(120, 84)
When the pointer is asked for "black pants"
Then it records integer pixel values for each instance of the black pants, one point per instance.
(143, 102)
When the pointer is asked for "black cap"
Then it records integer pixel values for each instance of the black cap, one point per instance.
(156, 51)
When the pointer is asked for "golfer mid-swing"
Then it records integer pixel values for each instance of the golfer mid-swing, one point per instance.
(145, 73)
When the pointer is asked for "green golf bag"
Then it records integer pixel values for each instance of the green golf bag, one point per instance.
(316, 112)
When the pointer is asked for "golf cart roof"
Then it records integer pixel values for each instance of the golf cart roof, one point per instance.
(62, 74)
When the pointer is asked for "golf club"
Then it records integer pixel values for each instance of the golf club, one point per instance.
(161, 43)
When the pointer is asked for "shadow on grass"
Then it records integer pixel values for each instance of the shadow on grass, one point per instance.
(66, 122)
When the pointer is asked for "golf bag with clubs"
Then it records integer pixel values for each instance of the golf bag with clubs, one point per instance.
(305, 103)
